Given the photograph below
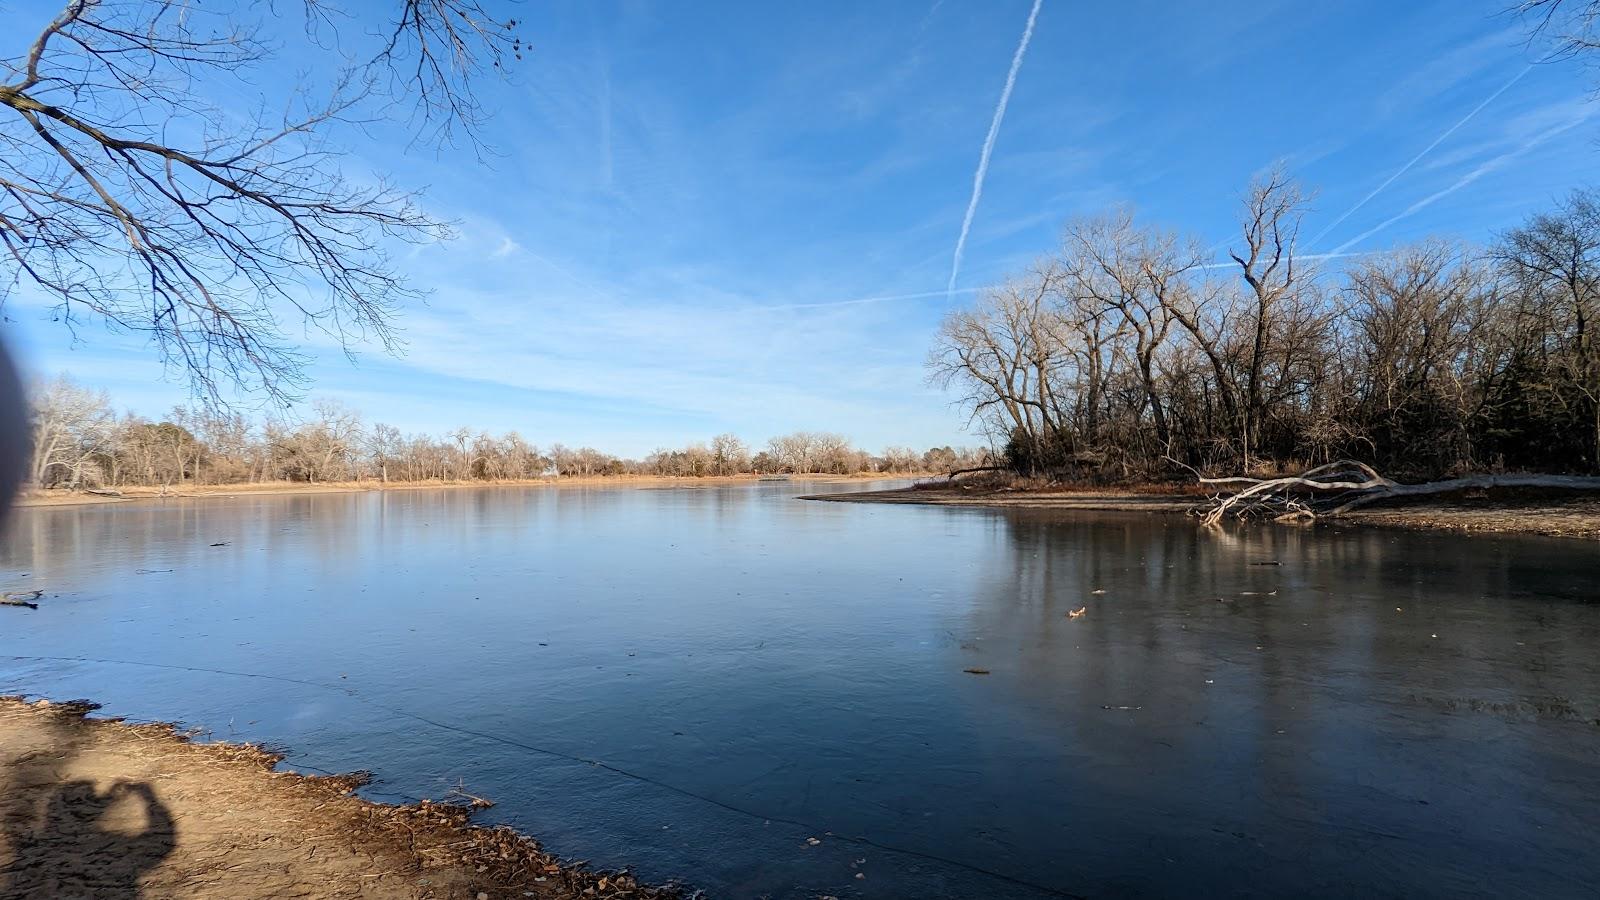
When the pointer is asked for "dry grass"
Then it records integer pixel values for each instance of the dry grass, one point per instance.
(58, 497)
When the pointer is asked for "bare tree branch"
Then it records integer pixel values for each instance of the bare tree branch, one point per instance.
(126, 196)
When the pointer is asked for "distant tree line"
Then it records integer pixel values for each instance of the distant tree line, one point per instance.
(1130, 353)
(80, 441)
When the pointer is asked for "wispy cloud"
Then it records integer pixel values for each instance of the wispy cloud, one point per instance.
(1450, 62)
(671, 245)
(988, 145)
(864, 301)
(685, 373)
(1584, 113)
(927, 18)
(1425, 151)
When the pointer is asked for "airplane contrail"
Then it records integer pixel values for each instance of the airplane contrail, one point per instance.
(1482, 170)
(1234, 264)
(1418, 158)
(988, 146)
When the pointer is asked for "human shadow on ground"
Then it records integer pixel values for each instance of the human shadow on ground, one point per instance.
(68, 838)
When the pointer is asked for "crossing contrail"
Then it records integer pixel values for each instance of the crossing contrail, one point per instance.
(988, 146)
(1482, 170)
(1418, 158)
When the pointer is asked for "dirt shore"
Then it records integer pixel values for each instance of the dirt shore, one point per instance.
(224, 491)
(969, 495)
(1512, 512)
(100, 808)
(1577, 517)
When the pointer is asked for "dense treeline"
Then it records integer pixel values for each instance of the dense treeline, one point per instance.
(1130, 353)
(79, 441)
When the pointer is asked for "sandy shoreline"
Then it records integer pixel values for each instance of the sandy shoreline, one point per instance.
(1546, 514)
(97, 807)
(1099, 501)
(38, 498)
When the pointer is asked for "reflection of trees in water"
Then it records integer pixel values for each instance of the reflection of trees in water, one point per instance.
(1269, 714)
(54, 541)
(1131, 648)
(1306, 684)
(336, 532)
(1181, 600)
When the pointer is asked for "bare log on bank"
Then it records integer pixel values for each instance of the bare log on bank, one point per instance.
(24, 599)
(951, 475)
(1339, 487)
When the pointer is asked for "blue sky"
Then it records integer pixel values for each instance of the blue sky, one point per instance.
(710, 217)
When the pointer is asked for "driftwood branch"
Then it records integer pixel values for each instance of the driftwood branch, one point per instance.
(471, 800)
(951, 476)
(1339, 487)
(24, 599)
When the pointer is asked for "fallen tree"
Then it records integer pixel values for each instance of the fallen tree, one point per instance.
(24, 599)
(1339, 487)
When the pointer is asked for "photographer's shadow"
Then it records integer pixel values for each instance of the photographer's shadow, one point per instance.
(85, 842)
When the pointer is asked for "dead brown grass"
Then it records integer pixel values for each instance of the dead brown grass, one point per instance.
(57, 497)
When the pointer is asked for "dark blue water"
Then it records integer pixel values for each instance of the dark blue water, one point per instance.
(694, 682)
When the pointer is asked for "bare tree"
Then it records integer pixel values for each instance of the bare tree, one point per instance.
(384, 443)
(1554, 258)
(324, 448)
(1418, 322)
(127, 197)
(71, 426)
(1121, 356)
(1571, 26)
(517, 457)
(462, 436)
(1278, 307)
(901, 459)
(1136, 277)
(729, 455)
(791, 451)
(1003, 357)
(82, 443)
(832, 454)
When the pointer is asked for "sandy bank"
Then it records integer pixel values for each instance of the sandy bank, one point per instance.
(98, 808)
(1577, 517)
(224, 491)
(1103, 501)
(1512, 512)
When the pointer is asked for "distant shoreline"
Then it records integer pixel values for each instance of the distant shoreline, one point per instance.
(1086, 500)
(59, 497)
(1548, 513)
